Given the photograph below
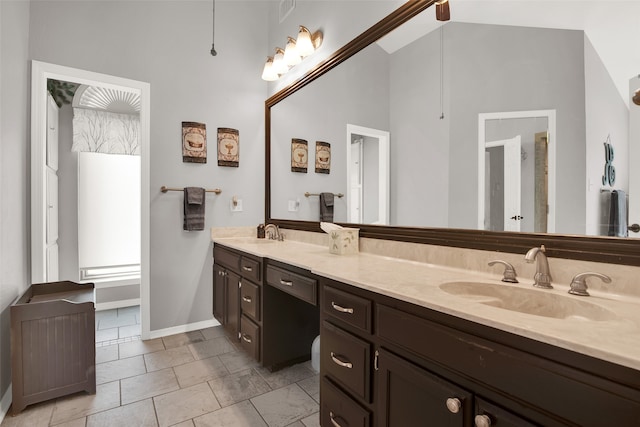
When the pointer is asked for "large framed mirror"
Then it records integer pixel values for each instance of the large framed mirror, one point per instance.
(438, 89)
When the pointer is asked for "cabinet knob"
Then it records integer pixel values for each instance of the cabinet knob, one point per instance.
(482, 421)
(454, 405)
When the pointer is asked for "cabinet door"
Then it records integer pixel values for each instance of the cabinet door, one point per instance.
(219, 280)
(488, 414)
(411, 396)
(232, 317)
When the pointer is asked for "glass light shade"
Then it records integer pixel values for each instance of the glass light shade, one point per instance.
(278, 62)
(304, 44)
(291, 55)
(268, 73)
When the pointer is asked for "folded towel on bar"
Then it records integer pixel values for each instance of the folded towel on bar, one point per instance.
(326, 207)
(618, 214)
(194, 198)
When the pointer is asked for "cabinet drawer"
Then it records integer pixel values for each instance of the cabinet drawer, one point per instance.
(349, 308)
(295, 284)
(346, 359)
(250, 300)
(541, 383)
(250, 337)
(339, 409)
(251, 269)
(227, 258)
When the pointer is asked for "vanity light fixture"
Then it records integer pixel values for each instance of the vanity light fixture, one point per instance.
(268, 73)
(278, 62)
(293, 53)
(442, 10)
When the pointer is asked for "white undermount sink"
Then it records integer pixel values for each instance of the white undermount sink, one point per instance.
(529, 301)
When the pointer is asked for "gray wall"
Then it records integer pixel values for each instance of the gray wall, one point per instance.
(321, 112)
(487, 68)
(14, 169)
(607, 114)
(167, 43)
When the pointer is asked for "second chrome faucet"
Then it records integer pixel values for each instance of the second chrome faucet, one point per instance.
(542, 278)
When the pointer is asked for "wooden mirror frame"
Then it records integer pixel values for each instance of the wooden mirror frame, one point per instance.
(588, 248)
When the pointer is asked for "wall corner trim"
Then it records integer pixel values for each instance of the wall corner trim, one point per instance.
(5, 403)
(183, 328)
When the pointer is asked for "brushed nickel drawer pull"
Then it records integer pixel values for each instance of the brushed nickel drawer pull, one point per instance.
(332, 417)
(246, 338)
(286, 282)
(246, 299)
(336, 307)
(339, 362)
(245, 268)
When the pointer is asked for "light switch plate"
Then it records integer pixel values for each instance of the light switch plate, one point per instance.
(294, 205)
(237, 207)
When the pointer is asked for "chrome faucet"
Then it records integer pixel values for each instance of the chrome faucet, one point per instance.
(273, 232)
(509, 274)
(579, 282)
(542, 278)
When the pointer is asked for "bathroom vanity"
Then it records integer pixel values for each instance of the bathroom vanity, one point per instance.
(401, 346)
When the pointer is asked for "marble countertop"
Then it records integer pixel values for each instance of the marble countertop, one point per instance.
(616, 340)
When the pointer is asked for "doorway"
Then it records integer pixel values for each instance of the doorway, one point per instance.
(367, 175)
(41, 73)
(516, 171)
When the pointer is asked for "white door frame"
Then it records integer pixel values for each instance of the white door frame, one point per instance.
(40, 72)
(512, 181)
(383, 168)
(550, 115)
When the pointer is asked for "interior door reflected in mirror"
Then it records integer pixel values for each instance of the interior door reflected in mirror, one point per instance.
(367, 175)
(516, 171)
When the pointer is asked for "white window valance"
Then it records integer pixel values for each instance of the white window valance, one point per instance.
(105, 132)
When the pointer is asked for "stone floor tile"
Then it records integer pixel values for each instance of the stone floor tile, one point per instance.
(214, 332)
(184, 404)
(238, 386)
(168, 358)
(106, 334)
(148, 385)
(212, 347)
(312, 420)
(285, 376)
(285, 405)
(296, 424)
(311, 386)
(34, 415)
(139, 414)
(178, 340)
(106, 314)
(116, 322)
(134, 309)
(106, 353)
(129, 331)
(242, 414)
(80, 405)
(188, 423)
(200, 371)
(78, 422)
(237, 361)
(119, 369)
(135, 348)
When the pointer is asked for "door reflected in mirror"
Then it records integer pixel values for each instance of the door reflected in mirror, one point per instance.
(514, 171)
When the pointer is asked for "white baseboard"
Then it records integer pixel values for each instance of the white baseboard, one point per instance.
(183, 328)
(5, 403)
(110, 305)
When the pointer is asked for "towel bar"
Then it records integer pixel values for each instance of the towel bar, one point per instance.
(307, 194)
(165, 189)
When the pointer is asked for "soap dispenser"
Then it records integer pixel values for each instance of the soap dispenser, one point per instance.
(260, 234)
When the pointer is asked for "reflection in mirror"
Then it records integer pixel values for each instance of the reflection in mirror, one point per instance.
(368, 175)
(516, 189)
(428, 92)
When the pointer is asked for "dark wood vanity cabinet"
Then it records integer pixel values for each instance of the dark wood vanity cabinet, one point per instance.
(237, 290)
(395, 364)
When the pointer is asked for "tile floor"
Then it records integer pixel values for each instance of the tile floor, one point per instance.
(193, 379)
